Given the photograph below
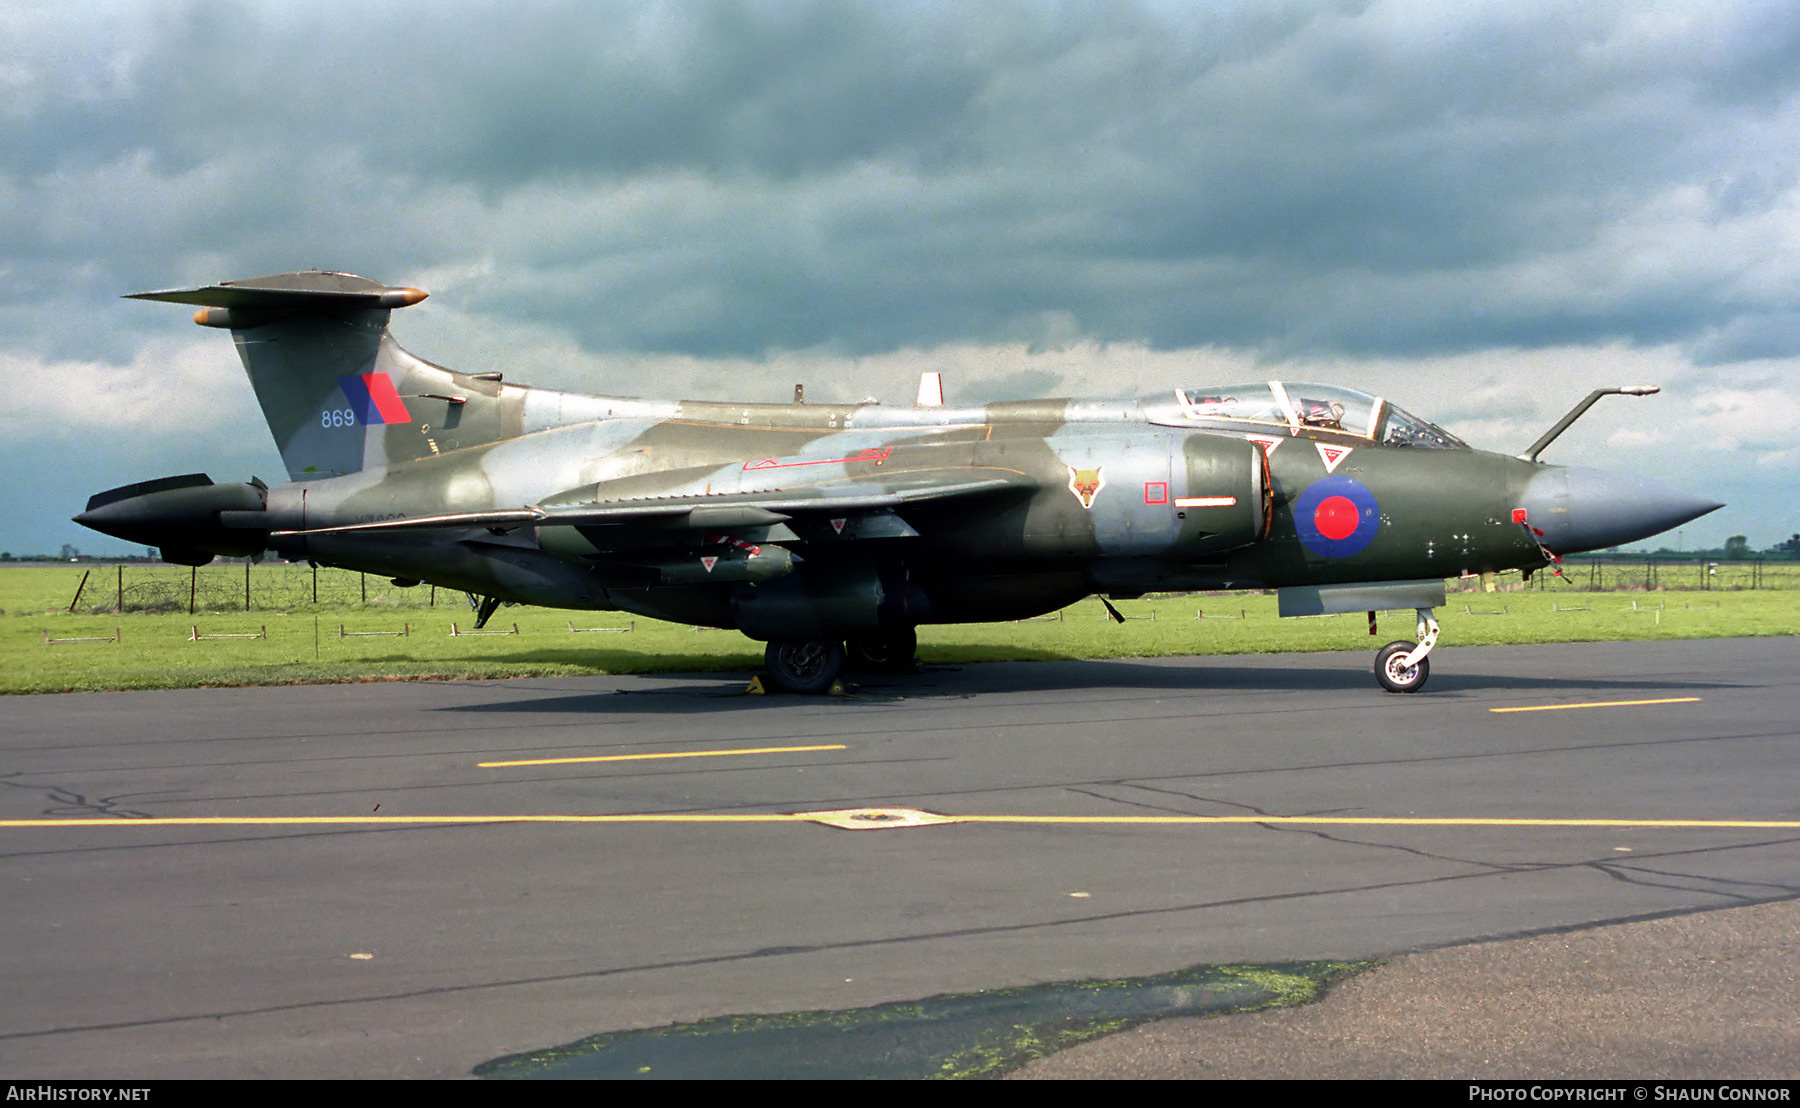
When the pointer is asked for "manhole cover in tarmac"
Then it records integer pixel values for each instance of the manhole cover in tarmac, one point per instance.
(870, 819)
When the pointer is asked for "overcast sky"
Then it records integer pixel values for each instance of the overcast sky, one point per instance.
(1481, 211)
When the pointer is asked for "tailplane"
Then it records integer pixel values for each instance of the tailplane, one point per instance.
(338, 393)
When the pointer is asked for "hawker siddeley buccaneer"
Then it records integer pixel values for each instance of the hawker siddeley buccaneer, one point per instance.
(834, 531)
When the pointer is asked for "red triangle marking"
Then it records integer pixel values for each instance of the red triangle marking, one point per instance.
(1332, 455)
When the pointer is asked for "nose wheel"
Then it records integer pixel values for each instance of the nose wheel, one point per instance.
(1402, 667)
(1393, 672)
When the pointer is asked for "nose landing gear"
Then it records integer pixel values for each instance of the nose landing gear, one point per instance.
(1402, 667)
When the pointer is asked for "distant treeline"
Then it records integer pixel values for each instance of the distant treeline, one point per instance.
(84, 559)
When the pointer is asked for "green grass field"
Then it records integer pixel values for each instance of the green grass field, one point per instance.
(353, 631)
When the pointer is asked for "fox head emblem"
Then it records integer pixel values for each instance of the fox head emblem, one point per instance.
(1086, 484)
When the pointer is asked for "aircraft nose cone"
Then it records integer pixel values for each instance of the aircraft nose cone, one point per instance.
(115, 519)
(1587, 509)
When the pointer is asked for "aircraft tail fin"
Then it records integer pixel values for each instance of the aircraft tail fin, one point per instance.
(339, 394)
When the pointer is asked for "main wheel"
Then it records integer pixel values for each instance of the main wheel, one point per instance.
(884, 652)
(804, 667)
(1395, 677)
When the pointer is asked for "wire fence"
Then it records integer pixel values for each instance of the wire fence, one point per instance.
(1662, 572)
(282, 587)
(278, 587)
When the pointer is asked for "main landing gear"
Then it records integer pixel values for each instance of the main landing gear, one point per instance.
(885, 652)
(1402, 667)
(810, 666)
(804, 667)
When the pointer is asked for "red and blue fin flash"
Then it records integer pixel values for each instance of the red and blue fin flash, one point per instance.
(373, 398)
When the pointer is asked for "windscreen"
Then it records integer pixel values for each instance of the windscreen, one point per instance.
(1298, 406)
(1402, 428)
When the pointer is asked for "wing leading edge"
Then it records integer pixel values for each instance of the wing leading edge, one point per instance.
(711, 511)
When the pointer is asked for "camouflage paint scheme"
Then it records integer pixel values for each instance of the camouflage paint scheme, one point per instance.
(800, 522)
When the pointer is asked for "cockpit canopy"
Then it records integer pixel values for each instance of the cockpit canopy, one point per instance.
(1295, 408)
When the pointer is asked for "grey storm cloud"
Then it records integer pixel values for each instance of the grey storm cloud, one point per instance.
(1345, 177)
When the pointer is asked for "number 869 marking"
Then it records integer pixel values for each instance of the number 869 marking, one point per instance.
(337, 417)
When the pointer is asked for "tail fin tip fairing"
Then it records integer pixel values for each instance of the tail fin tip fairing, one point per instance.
(313, 290)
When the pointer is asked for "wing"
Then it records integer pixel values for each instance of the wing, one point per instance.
(714, 511)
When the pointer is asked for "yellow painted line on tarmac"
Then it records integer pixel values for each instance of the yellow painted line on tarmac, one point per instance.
(674, 754)
(784, 817)
(374, 820)
(1599, 704)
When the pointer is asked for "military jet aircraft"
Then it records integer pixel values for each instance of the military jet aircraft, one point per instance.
(831, 531)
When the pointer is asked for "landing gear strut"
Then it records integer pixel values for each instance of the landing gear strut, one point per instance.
(1402, 667)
